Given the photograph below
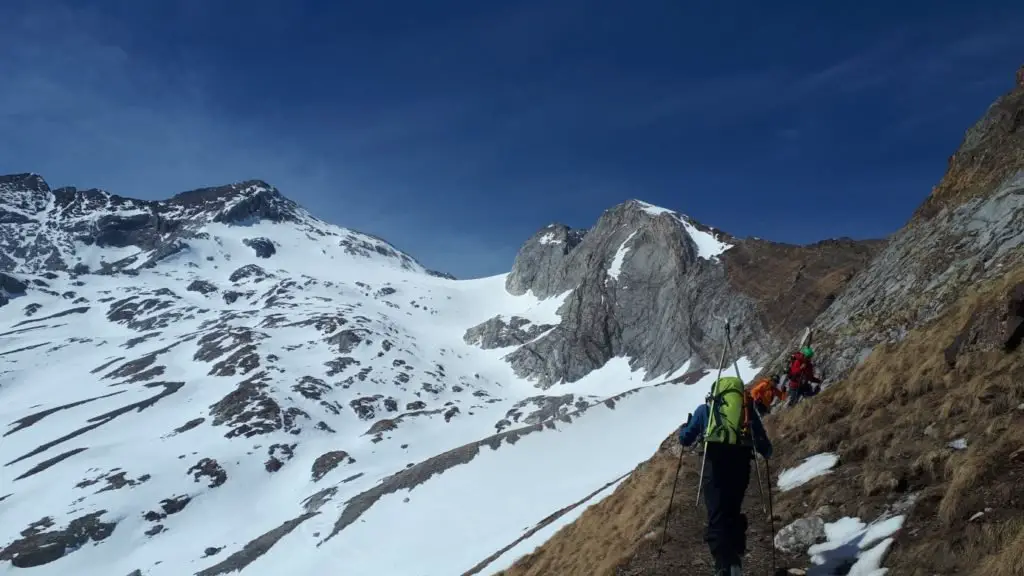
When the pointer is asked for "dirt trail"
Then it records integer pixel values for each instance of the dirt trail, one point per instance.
(686, 553)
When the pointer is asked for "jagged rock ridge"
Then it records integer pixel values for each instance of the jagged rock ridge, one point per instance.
(655, 285)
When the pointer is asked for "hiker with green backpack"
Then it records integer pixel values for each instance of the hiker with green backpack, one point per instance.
(731, 431)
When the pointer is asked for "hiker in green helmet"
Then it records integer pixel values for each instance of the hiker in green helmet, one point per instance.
(801, 375)
(732, 429)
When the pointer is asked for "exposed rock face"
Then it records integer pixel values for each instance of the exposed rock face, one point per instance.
(542, 259)
(970, 229)
(655, 286)
(497, 333)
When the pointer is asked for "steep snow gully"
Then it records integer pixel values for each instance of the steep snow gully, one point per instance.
(222, 382)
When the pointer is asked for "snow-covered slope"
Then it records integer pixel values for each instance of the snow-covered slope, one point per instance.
(222, 382)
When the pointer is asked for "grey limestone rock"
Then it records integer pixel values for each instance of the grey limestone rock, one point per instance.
(800, 535)
(497, 333)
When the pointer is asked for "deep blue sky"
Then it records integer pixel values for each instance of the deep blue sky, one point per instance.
(456, 129)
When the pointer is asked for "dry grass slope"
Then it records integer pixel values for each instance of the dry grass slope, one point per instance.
(891, 422)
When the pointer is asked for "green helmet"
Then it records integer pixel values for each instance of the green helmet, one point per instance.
(807, 351)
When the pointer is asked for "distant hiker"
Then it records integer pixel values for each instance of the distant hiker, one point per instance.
(764, 393)
(801, 375)
(730, 431)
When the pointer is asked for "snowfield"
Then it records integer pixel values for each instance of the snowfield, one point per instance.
(287, 397)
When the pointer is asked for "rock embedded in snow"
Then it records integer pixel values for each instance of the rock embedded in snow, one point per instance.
(497, 333)
(263, 247)
(210, 469)
(11, 285)
(201, 286)
(249, 271)
(37, 547)
(325, 463)
(800, 535)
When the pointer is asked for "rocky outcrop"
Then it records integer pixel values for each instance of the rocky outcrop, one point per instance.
(497, 333)
(263, 247)
(542, 259)
(969, 230)
(37, 547)
(10, 287)
(655, 286)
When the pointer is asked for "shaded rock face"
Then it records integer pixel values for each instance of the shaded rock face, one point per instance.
(37, 547)
(264, 247)
(9, 287)
(643, 283)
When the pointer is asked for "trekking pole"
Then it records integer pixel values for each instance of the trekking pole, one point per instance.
(668, 512)
(721, 366)
(760, 485)
(771, 509)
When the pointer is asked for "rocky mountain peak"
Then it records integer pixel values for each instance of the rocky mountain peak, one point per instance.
(653, 285)
(237, 203)
(71, 229)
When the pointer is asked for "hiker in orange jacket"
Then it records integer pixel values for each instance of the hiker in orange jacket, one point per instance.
(764, 393)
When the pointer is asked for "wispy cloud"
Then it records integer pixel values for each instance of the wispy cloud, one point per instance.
(82, 110)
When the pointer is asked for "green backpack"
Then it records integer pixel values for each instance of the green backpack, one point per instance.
(728, 416)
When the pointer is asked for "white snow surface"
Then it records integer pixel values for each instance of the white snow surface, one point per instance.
(849, 540)
(808, 470)
(709, 247)
(115, 390)
(620, 257)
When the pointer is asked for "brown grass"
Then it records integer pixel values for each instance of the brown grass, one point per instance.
(890, 422)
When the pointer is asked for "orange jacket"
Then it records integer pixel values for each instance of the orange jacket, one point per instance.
(765, 392)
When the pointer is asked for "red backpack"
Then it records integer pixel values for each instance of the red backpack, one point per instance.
(797, 365)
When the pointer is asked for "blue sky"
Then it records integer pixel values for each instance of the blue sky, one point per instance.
(455, 129)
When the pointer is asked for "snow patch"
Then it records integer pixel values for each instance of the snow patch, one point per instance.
(708, 246)
(811, 468)
(852, 545)
(549, 238)
(620, 257)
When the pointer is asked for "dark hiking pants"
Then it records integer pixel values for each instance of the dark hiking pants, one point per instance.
(726, 475)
